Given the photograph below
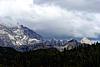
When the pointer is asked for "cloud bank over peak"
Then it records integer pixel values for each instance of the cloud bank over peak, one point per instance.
(51, 18)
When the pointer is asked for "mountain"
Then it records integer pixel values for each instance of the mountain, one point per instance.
(86, 41)
(19, 35)
(69, 45)
(23, 39)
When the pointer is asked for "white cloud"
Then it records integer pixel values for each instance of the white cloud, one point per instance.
(50, 19)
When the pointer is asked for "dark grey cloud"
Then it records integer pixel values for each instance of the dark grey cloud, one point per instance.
(81, 5)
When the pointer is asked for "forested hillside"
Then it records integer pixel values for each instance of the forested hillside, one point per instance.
(82, 56)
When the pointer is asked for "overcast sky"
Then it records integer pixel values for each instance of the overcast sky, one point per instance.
(54, 18)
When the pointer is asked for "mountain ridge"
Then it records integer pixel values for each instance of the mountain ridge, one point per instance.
(22, 38)
(19, 35)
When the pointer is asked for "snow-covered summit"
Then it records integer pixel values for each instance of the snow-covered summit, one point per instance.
(19, 35)
(85, 40)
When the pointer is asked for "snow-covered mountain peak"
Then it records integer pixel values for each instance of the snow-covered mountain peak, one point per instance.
(20, 35)
(85, 40)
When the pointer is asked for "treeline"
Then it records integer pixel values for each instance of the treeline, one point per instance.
(82, 56)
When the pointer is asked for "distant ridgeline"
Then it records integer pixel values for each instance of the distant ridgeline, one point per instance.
(22, 38)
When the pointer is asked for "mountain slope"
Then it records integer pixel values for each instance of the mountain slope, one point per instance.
(18, 36)
(69, 45)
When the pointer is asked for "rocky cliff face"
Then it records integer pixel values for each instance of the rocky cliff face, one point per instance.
(69, 45)
(18, 36)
